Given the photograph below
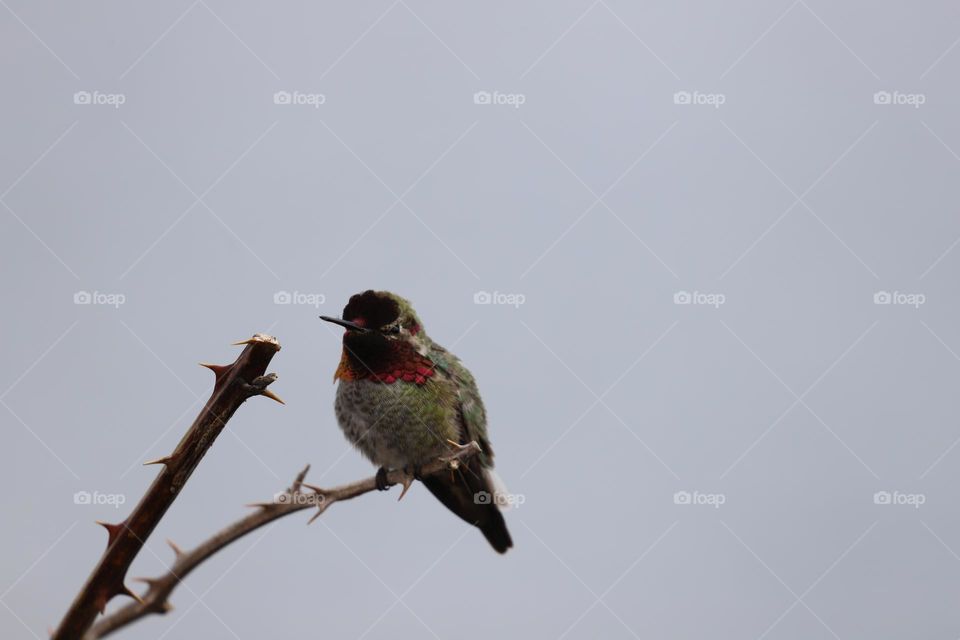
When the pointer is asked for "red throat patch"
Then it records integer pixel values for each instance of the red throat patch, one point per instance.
(416, 370)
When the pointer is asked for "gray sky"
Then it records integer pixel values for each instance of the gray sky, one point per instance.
(775, 458)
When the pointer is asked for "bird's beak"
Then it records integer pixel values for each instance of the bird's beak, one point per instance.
(353, 326)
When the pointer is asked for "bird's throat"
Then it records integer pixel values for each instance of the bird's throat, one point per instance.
(403, 365)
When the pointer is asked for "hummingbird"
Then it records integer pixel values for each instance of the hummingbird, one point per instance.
(402, 399)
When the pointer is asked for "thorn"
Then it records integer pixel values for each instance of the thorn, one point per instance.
(459, 449)
(126, 591)
(100, 602)
(166, 607)
(270, 394)
(150, 582)
(113, 530)
(298, 481)
(176, 549)
(316, 515)
(218, 369)
(244, 342)
(313, 488)
(407, 481)
(259, 505)
(163, 460)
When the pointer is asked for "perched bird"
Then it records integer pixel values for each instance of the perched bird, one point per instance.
(402, 398)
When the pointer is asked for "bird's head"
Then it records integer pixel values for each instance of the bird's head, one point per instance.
(381, 327)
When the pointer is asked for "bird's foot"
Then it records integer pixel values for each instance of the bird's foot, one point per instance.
(382, 482)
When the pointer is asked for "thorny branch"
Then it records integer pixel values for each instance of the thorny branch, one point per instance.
(154, 600)
(234, 384)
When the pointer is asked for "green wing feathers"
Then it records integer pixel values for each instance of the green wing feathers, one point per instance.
(473, 417)
(468, 491)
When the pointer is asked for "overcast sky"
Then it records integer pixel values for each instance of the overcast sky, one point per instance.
(719, 350)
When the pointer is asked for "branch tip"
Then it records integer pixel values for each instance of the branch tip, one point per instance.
(259, 338)
(127, 539)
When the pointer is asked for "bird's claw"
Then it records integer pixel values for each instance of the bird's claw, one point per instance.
(382, 483)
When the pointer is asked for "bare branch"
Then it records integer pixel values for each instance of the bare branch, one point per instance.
(155, 599)
(234, 384)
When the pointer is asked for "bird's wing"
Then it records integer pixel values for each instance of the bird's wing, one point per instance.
(473, 416)
(469, 490)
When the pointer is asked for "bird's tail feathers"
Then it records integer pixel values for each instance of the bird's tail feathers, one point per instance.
(501, 495)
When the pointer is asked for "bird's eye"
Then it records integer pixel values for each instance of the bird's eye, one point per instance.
(395, 328)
